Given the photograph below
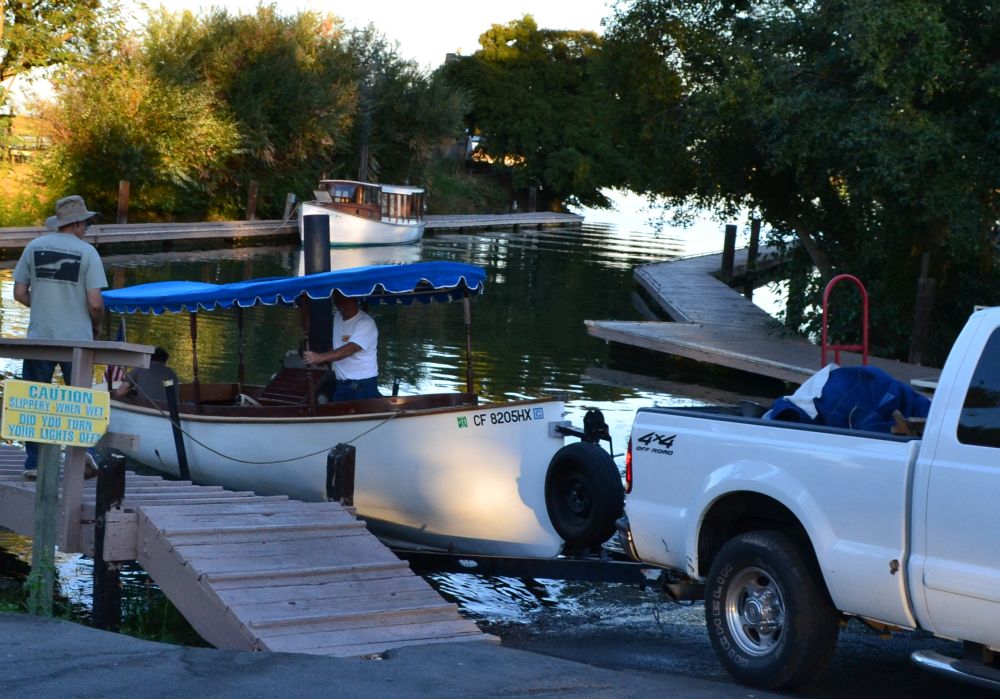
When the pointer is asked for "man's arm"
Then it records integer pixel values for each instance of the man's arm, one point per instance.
(22, 294)
(95, 304)
(336, 355)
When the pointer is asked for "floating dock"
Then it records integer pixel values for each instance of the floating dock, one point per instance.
(716, 324)
(258, 573)
(12, 240)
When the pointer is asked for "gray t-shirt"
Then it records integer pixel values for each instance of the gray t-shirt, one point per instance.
(58, 269)
(149, 381)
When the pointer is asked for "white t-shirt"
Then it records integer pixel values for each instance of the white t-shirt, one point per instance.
(360, 330)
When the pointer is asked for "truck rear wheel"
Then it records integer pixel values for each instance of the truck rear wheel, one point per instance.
(769, 617)
(583, 494)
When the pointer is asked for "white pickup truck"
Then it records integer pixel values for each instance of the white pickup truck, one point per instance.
(789, 528)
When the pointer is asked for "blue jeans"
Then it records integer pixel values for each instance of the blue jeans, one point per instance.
(356, 389)
(42, 370)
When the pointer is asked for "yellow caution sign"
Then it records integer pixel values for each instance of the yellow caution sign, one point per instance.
(42, 412)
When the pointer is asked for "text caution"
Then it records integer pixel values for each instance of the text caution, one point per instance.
(41, 412)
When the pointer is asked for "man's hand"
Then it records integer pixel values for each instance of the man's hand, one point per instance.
(311, 357)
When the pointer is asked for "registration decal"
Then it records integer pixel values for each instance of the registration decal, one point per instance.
(506, 417)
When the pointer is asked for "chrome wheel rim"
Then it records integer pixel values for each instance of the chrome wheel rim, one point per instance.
(755, 612)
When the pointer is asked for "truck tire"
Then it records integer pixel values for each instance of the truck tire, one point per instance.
(769, 616)
(584, 495)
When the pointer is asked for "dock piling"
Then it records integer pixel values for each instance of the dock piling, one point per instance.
(107, 611)
(728, 252)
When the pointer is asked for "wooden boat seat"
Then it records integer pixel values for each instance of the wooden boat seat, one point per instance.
(290, 386)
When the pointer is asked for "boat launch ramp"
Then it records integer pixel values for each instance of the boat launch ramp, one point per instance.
(252, 572)
(717, 324)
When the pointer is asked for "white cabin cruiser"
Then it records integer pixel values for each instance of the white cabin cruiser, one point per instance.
(363, 213)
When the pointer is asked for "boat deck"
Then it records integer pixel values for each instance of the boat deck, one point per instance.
(259, 573)
(716, 324)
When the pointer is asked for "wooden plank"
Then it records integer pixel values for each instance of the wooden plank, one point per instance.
(244, 576)
(297, 612)
(256, 534)
(304, 578)
(356, 550)
(302, 548)
(357, 584)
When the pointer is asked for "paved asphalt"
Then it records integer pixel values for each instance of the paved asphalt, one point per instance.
(54, 658)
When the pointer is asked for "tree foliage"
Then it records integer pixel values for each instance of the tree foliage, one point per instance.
(404, 116)
(201, 105)
(540, 109)
(868, 132)
(46, 33)
(115, 121)
(281, 80)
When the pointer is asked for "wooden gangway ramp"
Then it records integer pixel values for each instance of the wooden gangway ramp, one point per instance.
(716, 324)
(259, 573)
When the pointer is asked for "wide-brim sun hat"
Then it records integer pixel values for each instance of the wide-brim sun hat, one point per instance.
(69, 210)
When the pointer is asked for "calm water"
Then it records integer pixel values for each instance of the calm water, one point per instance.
(529, 337)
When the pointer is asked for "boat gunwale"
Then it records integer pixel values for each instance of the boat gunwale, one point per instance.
(187, 414)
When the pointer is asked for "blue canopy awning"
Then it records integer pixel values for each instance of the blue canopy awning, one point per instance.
(421, 281)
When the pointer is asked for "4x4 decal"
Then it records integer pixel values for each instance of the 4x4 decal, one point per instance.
(656, 443)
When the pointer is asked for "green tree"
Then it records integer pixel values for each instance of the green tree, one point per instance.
(405, 118)
(47, 33)
(284, 81)
(115, 121)
(540, 108)
(865, 132)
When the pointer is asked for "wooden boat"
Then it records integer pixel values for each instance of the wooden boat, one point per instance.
(363, 213)
(438, 470)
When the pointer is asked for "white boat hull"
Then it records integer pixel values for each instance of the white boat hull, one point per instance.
(346, 229)
(471, 479)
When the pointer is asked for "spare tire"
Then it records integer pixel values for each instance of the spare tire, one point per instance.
(584, 495)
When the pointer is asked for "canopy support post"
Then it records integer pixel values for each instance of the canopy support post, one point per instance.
(193, 316)
(241, 369)
(306, 318)
(467, 312)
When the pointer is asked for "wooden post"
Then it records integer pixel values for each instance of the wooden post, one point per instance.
(73, 465)
(532, 199)
(252, 201)
(467, 312)
(752, 251)
(193, 324)
(922, 308)
(41, 580)
(728, 252)
(107, 612)
(123, 187)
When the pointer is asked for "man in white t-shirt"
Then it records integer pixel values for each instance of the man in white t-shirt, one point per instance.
(354, 354)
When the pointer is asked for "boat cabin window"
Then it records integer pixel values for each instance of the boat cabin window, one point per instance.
(352, 193)
(402, 207)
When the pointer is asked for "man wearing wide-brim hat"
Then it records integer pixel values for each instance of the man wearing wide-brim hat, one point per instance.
(60, 277)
